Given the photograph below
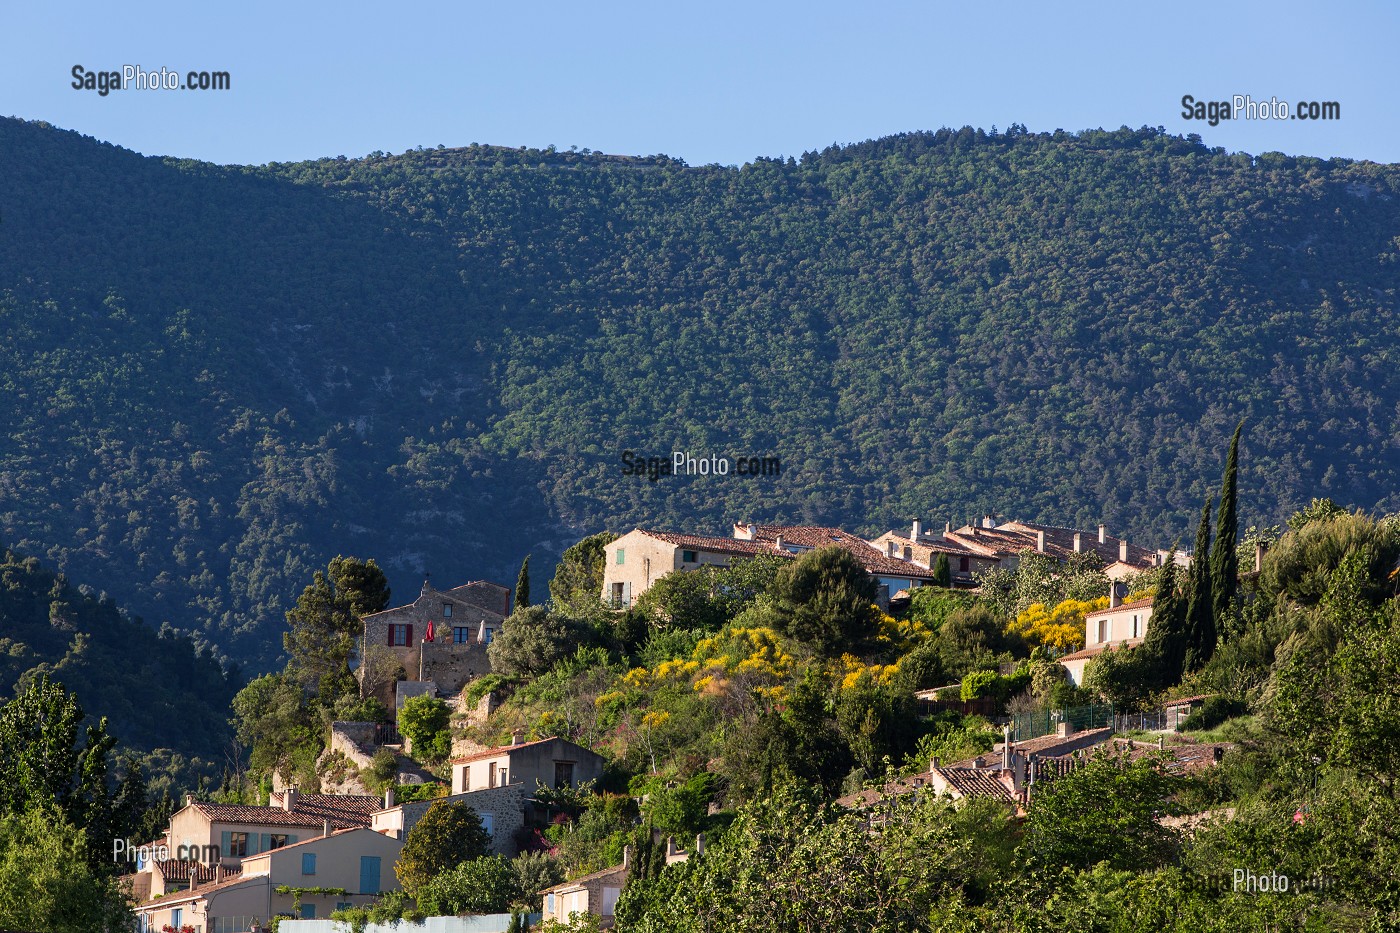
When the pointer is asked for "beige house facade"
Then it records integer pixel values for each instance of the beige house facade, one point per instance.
(1123, 625)
(225, 834)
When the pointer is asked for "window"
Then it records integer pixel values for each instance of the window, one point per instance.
(908, 552)
(400, 636)
(563, 774)
(461, 634)
(1103, 630)
(689, 557)
(617, 595)
(176, 916)
(308, 863)
(308, 911)
(237, 844)
(276, 840)
(490, 634)
(369, 874)
(1137, 626)
(447, 610)
(621, 556)
(962, 565)
(488, 823)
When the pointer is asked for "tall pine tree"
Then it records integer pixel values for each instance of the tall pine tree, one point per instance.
(942, 572)
(1224, 559)
(1200, 604)
(522, 585)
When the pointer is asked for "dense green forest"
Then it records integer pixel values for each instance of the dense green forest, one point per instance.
(217, 378)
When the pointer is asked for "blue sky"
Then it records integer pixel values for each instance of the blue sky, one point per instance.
(714, 82)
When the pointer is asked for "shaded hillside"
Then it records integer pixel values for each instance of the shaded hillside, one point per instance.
(155, 689)
(217, 378)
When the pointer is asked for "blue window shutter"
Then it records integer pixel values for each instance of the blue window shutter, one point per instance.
(308, 863)
(226, 844)
(369, 874)
(264, 842)
(291, 840)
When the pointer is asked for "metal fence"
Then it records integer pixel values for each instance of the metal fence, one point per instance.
(386, 733)
(1027, 726)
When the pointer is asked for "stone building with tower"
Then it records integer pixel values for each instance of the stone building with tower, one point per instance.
(463, 620)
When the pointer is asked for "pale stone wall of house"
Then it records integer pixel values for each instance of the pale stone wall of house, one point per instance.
(505, 806)
(452, 664)
(645, 560)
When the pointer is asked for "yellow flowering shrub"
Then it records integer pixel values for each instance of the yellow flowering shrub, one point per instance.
(1058, 627)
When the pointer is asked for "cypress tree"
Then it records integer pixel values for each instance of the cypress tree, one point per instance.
(1224, 559)
(1164, 647)
(522, 585)
(942, 572)
(1200, 605)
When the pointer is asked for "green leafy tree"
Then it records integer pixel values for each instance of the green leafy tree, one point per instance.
(47, 880)
(424, 720)
(534, 639)
(1106, 811)
(578, 580)
(488, 885)
(1224, 559)
(522, 584)
(1200, 603)
(825, 599)
(50, 760)
(324, 626)
(446, 836)
(274, 720)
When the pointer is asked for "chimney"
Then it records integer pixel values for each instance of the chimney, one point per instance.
(988, 521)
(289, 799)
(979, 762)
(517, 737)
(1040, 542)
(218, 872)
(1006, 748)
(1258, 556)
(917, 530)
(1123, 550)
(325, 827)
(626, 856)
(700, 844)
(1115, 595)
(890, 548)
(778, 542)
(389, 798)
(194, 874)
(947, 528)
(933, 764)
(1078, 542)
(189, 800)
(1103, 532)
(427, 587)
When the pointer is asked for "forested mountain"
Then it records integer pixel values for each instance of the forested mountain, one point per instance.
(215, 378)
(155, 689)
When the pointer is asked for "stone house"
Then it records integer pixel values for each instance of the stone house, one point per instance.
(502, 812)
(464, 620)
(592, 894)
(553, 762)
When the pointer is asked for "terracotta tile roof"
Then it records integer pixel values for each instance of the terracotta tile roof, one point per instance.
(316, 839)
(871, 795)
(1187, 757)
(1048, 744)
(714, 543)
(351, 810)
(1135, 604)
(1011, 538)
(1184, 700)
(817, 536)
(971, 782)
(620, 871)
(181, 897)
(1094, 651)
(507, 749)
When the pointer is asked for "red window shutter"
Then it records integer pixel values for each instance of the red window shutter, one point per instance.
(393, 631)
(408, 634)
